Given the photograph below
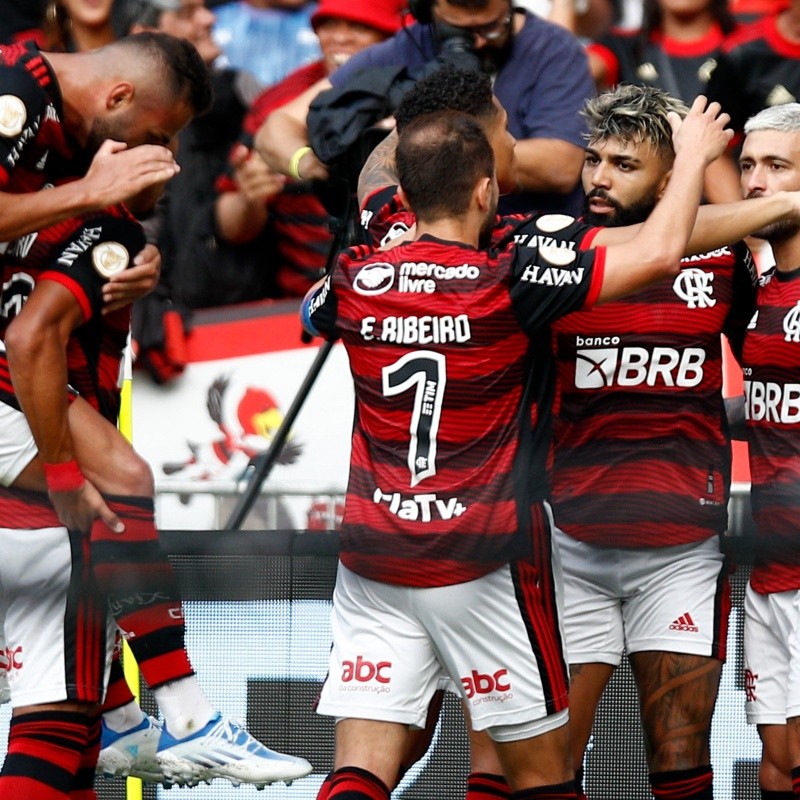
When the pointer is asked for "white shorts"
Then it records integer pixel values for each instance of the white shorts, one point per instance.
(497, 637)
(670, 599)
(17, 447)
(55, 623)
(772, 656)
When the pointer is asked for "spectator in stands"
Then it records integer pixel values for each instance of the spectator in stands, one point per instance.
(751, 10)
(585, 18)
(198, 270)
(541, 78)
(269, 38)
(770, 162)
(758, 67)
(674, 50)
(78, 24)
(252, 196)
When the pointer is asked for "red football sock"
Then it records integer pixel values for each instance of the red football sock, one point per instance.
(352, 783)
(44, 754)
(484, 786)
(134, 572)
(325, 790)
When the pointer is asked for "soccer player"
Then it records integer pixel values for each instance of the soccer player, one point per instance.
(57, 111)
(446, 556)
(62, 358)
(54, 613)
(770, 162)
(641, 462)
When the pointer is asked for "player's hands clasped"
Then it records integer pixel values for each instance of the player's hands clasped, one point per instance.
(702, 133)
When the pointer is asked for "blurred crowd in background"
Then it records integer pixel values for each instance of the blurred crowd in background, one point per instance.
(231, 229)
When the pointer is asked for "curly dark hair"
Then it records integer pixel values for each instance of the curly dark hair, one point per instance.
(447, 89)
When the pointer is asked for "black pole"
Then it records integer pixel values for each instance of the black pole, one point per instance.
(342, 229)
(265, 462)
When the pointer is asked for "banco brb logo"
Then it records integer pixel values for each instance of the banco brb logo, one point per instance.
(602, 367)
(595, 369)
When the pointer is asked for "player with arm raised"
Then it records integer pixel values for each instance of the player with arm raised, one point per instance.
(425, 324)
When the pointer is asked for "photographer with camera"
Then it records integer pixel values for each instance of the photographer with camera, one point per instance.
(540, 76)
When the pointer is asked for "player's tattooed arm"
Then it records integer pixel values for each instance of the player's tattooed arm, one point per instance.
(379, 169)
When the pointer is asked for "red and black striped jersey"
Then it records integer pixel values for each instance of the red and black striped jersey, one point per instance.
(80, 254)
(449, 352)
(33, 144)
(757, 67)
(681, 68)
(384, 218)
(641, 453)
(772, 407)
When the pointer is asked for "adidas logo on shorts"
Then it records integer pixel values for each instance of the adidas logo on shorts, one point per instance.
(684, 623)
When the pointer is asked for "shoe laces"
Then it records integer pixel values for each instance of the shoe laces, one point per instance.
(234, 732)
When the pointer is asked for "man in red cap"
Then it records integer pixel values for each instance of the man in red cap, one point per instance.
(252, 196)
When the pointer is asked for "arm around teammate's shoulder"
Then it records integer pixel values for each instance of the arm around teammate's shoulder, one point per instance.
(655, 251)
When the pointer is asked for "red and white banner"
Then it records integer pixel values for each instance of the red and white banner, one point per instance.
(199, 431)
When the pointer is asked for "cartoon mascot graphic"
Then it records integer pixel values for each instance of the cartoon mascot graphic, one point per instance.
(257, 419)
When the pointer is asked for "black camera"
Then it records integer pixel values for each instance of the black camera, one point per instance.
(456, 47)
(343, 123)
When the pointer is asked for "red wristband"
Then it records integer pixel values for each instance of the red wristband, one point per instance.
(65, 477)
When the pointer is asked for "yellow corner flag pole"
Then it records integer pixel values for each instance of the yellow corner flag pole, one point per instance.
(129, 666)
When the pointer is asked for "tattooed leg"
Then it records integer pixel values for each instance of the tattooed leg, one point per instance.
(677, 693)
